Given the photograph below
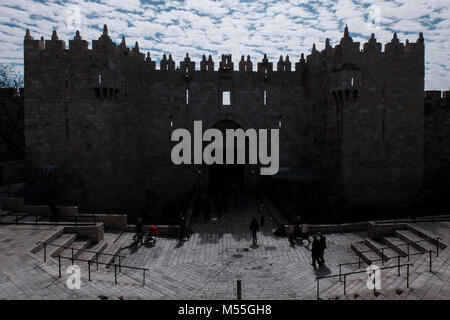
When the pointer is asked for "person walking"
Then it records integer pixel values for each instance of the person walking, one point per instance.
(323, 246)
(315, 251)
(291, 235)
(254, 226)
(139, 229)
(305, 233)
(206, 207)
(54, 214)
(261, 214)
(182, 232)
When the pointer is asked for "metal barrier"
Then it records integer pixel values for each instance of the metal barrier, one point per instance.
(76, 218)
(385, 258)
(101, 263)
(359, 272)
(394, 257)
(72, 249)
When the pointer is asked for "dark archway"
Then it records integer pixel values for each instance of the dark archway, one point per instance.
(222, 176)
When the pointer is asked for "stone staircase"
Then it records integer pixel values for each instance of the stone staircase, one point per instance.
(67, 244)
(423, 284)
(412, 239)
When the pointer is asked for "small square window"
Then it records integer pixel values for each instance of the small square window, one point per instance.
(226, 98)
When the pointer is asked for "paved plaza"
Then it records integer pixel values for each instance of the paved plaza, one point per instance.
(207, 266)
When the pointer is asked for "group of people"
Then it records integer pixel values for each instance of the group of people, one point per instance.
(296, 231)
(219, 202)
(141, 235)
(318, 249)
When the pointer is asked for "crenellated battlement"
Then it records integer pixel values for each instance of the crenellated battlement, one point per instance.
(347, 51)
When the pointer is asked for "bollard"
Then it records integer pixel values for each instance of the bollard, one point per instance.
(431, 261)
(45, 252)
(407, 275)
(96, 258)
(382, 256)
(143, 281)
(59, 265)
(239, 289)
(317, 295)
(374, 282)
(345, 283)
(89, 269)
(437, 247)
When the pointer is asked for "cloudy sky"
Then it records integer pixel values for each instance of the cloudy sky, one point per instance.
(285, 27)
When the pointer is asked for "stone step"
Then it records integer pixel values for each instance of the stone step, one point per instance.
(31, 219)
(426, 235)
(5, 213)
(364, 252)
(96, 249)
(113, 250)
(381, 250)
(65, 240)
(10, 219)
(58, 232)
(77, 247)
(413, 240)
(390, 282)
(399, 245)
(425, 280)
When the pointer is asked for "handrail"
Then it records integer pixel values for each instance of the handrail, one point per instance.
(359, 272)
(75, 220)
(381, 259)
(434, 218)
(102, 263)
(82, 250)
(404, 244)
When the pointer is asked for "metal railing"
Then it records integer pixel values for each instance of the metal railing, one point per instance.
(360, 272)
(89, 262)
(393, 247)
(77, 249)
(398, 257)
(414, 219)
(61, 220)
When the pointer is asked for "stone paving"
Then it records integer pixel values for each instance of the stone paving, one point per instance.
(204, 267)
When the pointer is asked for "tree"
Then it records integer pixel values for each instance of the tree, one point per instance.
(11, 114)
(10, 78)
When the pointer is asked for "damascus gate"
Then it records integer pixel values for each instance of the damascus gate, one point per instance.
(99, 119)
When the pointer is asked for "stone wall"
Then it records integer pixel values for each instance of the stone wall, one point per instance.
(437, 147)
(103, 118)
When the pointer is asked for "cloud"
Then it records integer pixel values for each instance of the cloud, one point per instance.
(254, 27)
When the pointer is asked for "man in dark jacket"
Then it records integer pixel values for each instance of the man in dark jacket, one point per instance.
(323, 246)
(315, 251)
(254, 226)
(54, 214)
(182, 233)
(138, 237)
